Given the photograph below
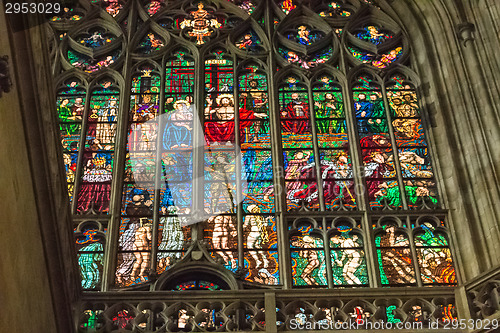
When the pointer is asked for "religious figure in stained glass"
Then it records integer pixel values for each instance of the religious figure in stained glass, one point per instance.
(394, 257)
(220, 131)
(249, 42)
(222, 192)
(335, 9)
(136, 237)
(436, 265)
(178, 131)
(305, 37)
(327, 113)
(142, 242)
(310, 255)
(201, 24)
(172, 237)
(314, 139)
(295, 115)
(257, 235)
(90, 258)
(352, 257)
(224, 231)
(71, 113)
(94, 192)
(251, 111)
(372, 34)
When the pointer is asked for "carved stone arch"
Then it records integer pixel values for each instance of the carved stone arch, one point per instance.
(158, 38)
(303, 15)
(90, 224)
(151, 311)
(382, 55)
(305, 220)
(241, 316)
(247, 27)
(433, 220)
(444, 308)
(355, 305)
(207, 50)
(93, 310)
(344, 220)
(195, 270)
(418, 309)
(369, 14)
(64, 22)
(171, 314)
(339, 15)
(326, 69)
(149, 62)
(330, 309)
(98, 56)
(356, 72)
(126, 311)
(386, 220)
(108, 73)
(254, 61)
(307, 56)
(410, 76)
(424, 222)
(299, 308)
(293, 71)
(217, 315)
(336, 230)
(67, 76)
(383, 309)
(178, 44)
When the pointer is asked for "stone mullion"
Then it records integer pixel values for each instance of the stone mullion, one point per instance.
(198, 179)
(362, 203)
(319, 179)
(317, 161)
(328, 259)
(278, 169)
(279, 186)
(413, 249)
(238, 157)
(81, 149)
(160, 124)
(117, 180)
(395, 149)
(111, 251)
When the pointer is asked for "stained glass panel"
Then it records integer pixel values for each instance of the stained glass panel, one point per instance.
(195, 74)
(308, 258)
(98, 156)
(70, 111)
(394, 257)
(416, 169)
(90, 245)
(348, 258)
(376, 147)
(434, 256)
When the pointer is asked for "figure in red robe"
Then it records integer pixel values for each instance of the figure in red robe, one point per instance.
(295, 116)
(219, 121)
(376, 160)
(251, 113)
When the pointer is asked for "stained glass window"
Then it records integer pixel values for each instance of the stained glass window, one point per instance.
(284, 141)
